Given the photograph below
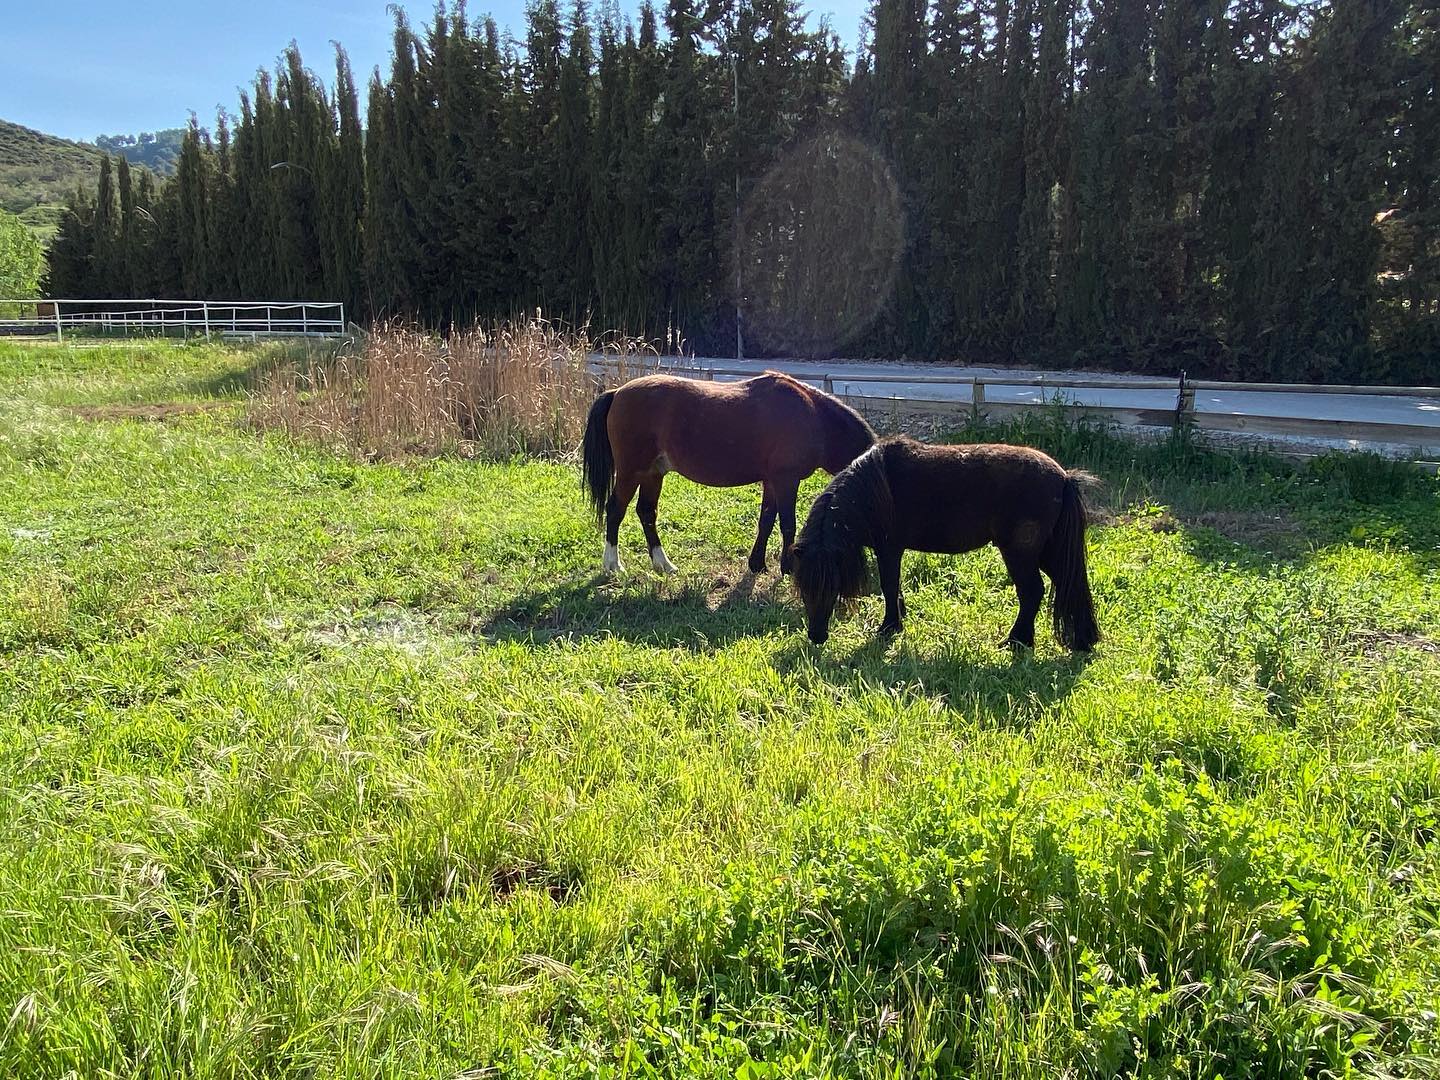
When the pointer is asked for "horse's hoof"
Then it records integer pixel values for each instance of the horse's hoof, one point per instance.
(660, 562)
(757, 566)
(1016, 645)
(611, 560)
(889, 630)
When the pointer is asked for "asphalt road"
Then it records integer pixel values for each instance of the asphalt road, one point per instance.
(1374, 408)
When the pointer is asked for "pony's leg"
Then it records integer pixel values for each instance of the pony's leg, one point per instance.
(646, 510)
(785, 505)
(768, 511)
(889, 564)
(1024, 570)
(615, 513)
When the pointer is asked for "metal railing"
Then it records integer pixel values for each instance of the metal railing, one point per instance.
(1177, 408)
(229, 318)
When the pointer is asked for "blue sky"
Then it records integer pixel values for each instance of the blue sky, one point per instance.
(91, 67)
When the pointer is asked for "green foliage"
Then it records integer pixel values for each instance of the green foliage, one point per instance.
(22, 260)
(310, 766)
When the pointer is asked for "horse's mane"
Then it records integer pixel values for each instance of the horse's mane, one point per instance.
(854, 512)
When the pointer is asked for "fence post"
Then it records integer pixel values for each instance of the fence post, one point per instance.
(205, 311)
(977, 399)
(829, 385)
(304, 320)
(269, 315)
(1184, 407)
(59, 333)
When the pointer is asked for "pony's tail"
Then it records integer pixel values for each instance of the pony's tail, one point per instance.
(1064, 557)
(597, 460)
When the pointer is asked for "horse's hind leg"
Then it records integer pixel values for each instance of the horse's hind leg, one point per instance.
(625, 486)
(646, 509)
(1024, 567)
(768, 511)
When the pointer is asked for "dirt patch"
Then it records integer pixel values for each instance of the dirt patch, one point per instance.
(1161, 522)
(559, 887)
(170, 410)
(1251, 528)
(1379, 642)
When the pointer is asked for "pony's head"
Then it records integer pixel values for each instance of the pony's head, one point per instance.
(829, 563)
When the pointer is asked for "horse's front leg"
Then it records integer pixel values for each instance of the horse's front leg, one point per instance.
(889, 563)
(762, 534)
(785, 501)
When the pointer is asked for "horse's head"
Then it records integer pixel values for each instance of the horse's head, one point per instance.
(829, 562)
(847, 436)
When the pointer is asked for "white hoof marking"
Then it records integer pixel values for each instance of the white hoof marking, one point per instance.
(611, 561)
(659, 560)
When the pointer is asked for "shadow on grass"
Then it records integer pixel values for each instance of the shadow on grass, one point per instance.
(692, 613)
(1006, 688)
(258, 362)
(1002, 687)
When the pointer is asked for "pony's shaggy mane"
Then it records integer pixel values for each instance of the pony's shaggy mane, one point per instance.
(851, 514)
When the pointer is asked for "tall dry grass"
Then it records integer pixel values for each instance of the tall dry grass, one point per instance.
(499, 391)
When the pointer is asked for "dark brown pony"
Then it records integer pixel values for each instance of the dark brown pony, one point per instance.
(771, 430)
(903, 494)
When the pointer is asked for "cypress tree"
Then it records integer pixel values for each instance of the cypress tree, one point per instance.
(571, 279)
(897, 110)
(345, 194)
(124, 268)
(70, 258)
(144, 228)
(685, 214)
(105, 236)
(191, 217)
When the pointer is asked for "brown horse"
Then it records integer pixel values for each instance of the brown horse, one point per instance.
(903, 494)
(771, 430)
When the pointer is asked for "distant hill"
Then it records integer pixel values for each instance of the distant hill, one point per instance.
(38, 172)
(158, 151)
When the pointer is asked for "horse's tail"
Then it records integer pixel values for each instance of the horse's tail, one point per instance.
(597, 459)
(1064, 559)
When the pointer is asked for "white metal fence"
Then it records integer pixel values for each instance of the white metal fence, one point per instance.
(230, 318)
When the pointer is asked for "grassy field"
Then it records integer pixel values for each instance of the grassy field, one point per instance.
(313, 767)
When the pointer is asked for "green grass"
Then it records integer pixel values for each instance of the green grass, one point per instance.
(311, 767)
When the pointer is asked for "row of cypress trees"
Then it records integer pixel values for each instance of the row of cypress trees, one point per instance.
(1237, 187)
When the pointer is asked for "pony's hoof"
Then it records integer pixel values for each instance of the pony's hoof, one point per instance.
(889, 630)
(660, 562)
(611, 560)
(1016, 645)
(757, 566)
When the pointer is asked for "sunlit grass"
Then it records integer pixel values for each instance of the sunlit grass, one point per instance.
(317, 768)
